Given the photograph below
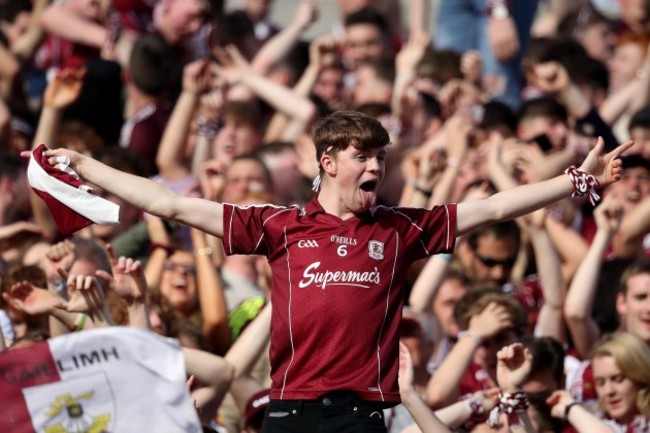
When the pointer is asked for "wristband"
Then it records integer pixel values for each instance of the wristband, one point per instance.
(567, 409)
(475, 404)
(208, 128)
(474, 337)
(509, 404)
(583, 184)
(206, 251)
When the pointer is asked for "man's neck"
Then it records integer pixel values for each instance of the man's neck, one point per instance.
(136, 100)
(332, 202)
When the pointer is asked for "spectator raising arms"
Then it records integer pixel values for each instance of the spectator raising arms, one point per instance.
(339, 241)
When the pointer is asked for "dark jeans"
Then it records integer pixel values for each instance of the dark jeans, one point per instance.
(336, 412)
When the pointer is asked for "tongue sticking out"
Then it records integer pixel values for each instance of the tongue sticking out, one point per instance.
(367, 195)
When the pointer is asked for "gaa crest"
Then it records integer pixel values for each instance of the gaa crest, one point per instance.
(376, 250)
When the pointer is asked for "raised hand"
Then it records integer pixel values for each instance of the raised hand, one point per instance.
(471, 66)
(212, 178)
(85, 294)
(64, 89)
(213, 101)
(489, 322)
(457, 130)
(198, 76)
(31, 300)
(550, 77)
(232, 64)
(322, 51)
(128, 279)
(422, 166)
(55, 156)
(503, 38)
(405, 372)
(606, 168)
(609, 213)
(558, 401)
(306, 14)
(411, 53)
(513, 366)
(62, 254)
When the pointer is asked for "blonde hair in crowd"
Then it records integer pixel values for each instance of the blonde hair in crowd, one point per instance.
(632, 356)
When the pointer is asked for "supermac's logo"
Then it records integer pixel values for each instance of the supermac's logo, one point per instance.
(82, 404)
(322, 279)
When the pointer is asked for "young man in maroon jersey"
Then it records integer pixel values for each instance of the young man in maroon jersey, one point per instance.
(339, 264)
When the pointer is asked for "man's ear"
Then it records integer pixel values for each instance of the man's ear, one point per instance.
(328, 162)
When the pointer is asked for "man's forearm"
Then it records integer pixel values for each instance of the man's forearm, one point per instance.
(510, 204)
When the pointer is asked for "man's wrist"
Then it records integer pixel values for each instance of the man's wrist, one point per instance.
(478, 339)
(409, 394)
(567, 409)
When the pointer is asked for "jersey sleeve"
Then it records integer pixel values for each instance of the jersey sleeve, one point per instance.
(248, 229)
(431, 231)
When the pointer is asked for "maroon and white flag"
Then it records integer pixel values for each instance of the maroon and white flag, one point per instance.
(97, 381)
(72, 204)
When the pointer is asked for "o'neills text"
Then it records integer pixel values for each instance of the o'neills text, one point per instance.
(347, 278)
(343, 240)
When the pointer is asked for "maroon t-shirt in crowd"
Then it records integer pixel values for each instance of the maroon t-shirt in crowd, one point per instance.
(143, 132)
(337, 290)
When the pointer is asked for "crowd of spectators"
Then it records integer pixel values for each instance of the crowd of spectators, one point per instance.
(219, 102)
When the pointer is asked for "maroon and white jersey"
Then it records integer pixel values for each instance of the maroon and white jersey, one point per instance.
(337, 290)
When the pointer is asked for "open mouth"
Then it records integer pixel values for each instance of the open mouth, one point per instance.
(633, 196)
(367, 193)
(369, 186)
(179, 285)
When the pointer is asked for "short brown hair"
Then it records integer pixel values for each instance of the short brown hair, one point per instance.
(244, 112)
(476, 300)
(348, 128)
(641, 266)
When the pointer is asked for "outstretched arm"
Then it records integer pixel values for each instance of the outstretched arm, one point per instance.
(145, 194)
(521, 200)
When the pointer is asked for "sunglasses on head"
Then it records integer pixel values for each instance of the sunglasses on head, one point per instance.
(491, 263)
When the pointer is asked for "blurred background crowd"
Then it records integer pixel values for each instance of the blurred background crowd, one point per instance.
(217, 99)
